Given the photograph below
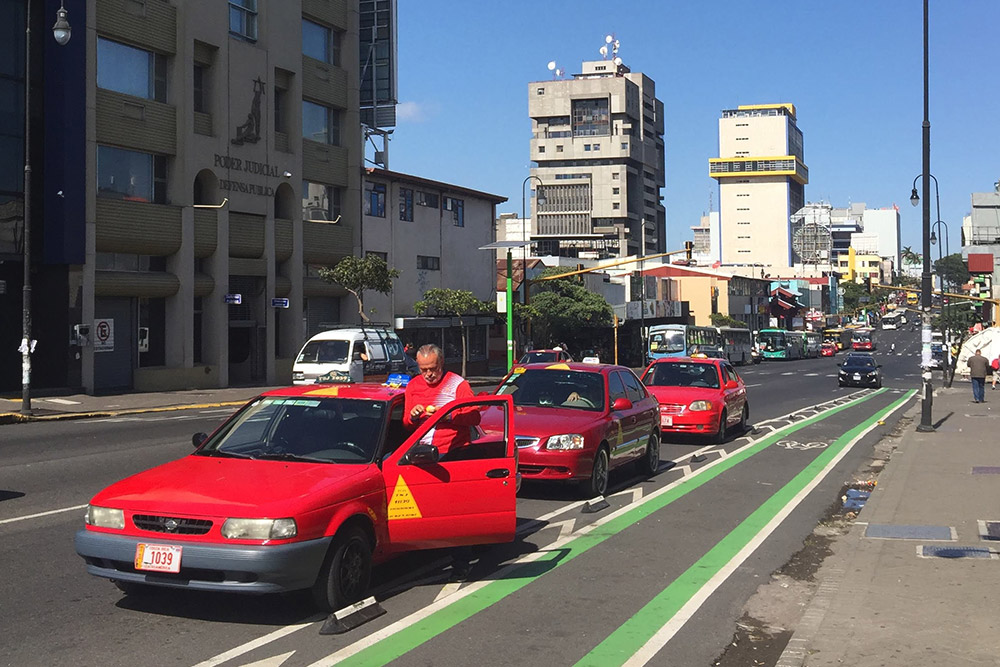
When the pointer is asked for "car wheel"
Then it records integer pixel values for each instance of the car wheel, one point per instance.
(650, 462)
(345, 574)
(841, 384)
(720, 436)
(598, 482)
(745, 418)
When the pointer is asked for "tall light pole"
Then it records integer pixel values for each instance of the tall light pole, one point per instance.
(61, 31)
(927, 400)
(539, 201)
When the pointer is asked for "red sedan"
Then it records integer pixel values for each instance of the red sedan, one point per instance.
(576, 422)
(306, 488)
(698, 396)
(828, 349)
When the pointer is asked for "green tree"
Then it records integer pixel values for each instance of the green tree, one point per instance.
(454, 303)
(852, 295)
(910, 257)
(562, 307)
(358, 274)
(723, 320)
(952, 269)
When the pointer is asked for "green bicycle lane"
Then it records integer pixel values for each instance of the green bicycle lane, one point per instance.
(583, 604)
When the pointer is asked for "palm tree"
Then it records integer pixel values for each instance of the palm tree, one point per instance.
(910, 257)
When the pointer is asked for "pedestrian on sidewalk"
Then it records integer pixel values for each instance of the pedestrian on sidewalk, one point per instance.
(977, 372)
(995, 365)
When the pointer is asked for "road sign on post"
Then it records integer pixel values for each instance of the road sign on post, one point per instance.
(104, 335)
(279, 303)
(234, 299)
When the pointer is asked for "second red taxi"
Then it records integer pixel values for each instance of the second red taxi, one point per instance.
(698, 396)
(828, 349)
(576, 422)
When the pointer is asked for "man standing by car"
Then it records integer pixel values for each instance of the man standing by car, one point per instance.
(430, 390)
(977, 372)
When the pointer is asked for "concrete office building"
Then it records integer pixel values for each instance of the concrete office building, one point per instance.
(884, 223)
(762, 179)
(199, 158)
(707, 242)
(597, 148)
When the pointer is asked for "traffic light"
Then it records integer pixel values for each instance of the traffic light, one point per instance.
(688, 249)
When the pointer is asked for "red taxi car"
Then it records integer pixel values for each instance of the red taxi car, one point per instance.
(306, 488)
(698, 396)
(828, 349)
(576, 422)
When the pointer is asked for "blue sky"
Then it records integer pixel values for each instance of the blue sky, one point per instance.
(852, 68)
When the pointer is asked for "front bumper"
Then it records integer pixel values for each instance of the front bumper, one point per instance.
(700, 422)
(535, 463)
(208, 567)
(850, 381)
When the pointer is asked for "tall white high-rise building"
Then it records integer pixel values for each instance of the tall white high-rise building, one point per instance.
(762, 178)
(597, 149)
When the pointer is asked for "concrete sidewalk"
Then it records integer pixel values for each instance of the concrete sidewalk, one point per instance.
(915, 582)
(82, 406)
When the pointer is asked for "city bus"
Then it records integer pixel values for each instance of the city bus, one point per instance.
(891, 320)
(913, 298)
(781, 344)
(676, 340)
(863, 340)
(737, 344)
(838, 336)
(813, 341)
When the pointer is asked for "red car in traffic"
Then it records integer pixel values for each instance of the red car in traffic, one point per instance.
(577, 422)
(698, 396)
(305, 488)
(828, 349)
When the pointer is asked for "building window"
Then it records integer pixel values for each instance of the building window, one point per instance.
(597, 147)
(384, 256)
(132, 71)
(406, 204)
(427, 199)
(198, 91)
(457, 207)
(539, 91)
(320, 123)
(320, 42)
(375, 200)
(321, 202)
(541, 149)
(131, 175)
(624, 146)
(591, 117)
(426, 263)
(615, 191)
(243, 19)
(614, 176)
(280, 110)
(616, 206)
(586, 147)
(559, 148)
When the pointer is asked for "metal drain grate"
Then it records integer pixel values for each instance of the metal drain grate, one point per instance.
(989, 530)
(929, 551)
(891, 532)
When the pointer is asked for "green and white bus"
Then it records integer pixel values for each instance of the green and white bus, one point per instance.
(781, 344)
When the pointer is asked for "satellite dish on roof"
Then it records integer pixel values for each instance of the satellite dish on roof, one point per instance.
(618, 61)
(552, 65)
(608, 39)
(604, 51)
(559, 72)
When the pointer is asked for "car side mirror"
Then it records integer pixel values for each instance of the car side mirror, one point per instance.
(198, 439)
(484, 393)
(422, 453)
(732, 384)
(878, 366)
(621, 403)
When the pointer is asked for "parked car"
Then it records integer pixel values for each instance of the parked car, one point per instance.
(544, 356)
(828, 349)
(698, 396)
(349, 354)
(860, 370)
(577, 422)
(303, 488)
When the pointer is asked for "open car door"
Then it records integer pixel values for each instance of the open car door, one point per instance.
(453, 482)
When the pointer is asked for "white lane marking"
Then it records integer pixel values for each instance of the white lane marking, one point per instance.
(789, 373)
(257, 643)
(684, 614)
(276, 661)
(448, 589)
(831, 375)
(754, 385)
(41, 514)
(812, 375)
(528, 525)
(61, 401)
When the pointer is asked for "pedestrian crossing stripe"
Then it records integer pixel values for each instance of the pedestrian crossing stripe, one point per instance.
(402, 504)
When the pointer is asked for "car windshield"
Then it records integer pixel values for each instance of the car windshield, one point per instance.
(579, 390)
(325, 430)
(772, 340)
(538, 357)
(667, 341)
(862, 362)
(324, 352)
(682, 375)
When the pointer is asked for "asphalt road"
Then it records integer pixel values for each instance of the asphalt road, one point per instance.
(660, 576)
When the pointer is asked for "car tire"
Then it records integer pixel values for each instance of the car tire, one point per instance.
(597, 484)
(345, 574)
(745, 418)
(650, 461)
(720, 436)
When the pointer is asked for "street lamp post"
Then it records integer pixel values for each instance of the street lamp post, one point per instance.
(925, 278)
(539, 201)
(61, 31)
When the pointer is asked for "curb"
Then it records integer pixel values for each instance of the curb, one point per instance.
(17, 417)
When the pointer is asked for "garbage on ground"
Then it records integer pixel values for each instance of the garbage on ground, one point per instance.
(857, 495)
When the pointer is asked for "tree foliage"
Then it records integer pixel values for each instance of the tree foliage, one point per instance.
(562, 307)
(910, 257)
(723, 320)
(359, 274)
(852, 295)
(453, 303)
(953, 269)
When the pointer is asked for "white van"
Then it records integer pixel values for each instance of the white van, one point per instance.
(352, 354)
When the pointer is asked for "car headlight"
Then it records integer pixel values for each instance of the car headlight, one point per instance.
(298, 375)
(700, 406)
(565, 441)
(105, 517)
(259, 529)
